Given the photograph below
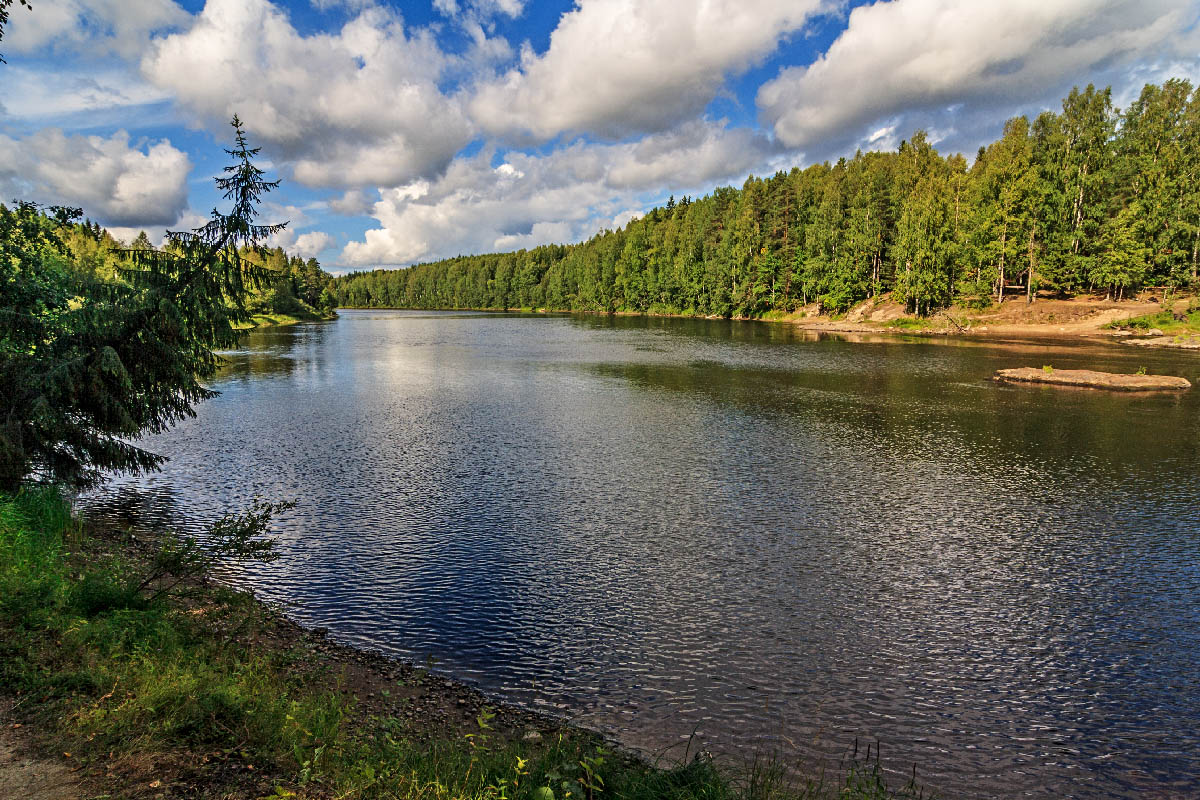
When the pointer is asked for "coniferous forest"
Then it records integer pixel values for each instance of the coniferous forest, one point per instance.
(87, 251)
(1089, 199)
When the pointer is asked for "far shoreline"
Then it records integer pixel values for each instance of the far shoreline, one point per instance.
(1086, 318)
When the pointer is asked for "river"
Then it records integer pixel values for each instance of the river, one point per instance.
(735, 536)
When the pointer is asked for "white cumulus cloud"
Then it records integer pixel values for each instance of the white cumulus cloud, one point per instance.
(348, 109)
(956, 65)
(616, 67)
(143, 184)
(96, 27)
(563, 196)
(352, 203)
(308, 245)
(480, 9)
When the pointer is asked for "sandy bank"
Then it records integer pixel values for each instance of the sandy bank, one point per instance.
(1045, 317)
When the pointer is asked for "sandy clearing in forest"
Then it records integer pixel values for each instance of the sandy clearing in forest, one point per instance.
(1045, 317)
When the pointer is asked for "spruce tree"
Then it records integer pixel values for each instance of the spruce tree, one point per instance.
(90, 365)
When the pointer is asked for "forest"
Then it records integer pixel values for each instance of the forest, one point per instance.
(1089, 199)
(294, 285)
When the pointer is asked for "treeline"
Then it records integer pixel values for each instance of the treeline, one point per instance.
(296, 285)
(1089, 199)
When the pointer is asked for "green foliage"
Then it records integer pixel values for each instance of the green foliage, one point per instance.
(1123, 259)
(126, 667)
(235, 538)
(100, 591)
(910, 323)
(101, 344)
(925, 235)
(1074, 155)
(293, 287)
(1078, 200)
(32, 530)
(1170, 322)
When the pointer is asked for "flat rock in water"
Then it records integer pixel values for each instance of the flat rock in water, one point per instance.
(1176, 342)
(1087, 378)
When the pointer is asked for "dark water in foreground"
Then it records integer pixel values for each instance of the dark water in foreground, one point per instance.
(775, 541)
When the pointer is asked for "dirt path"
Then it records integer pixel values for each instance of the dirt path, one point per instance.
(25, 778)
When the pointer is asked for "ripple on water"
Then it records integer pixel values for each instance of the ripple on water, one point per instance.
(737, 532)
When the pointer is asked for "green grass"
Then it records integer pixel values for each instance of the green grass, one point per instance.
(302, 314)
(1165, 321)
(120, 673)
(910, 323)
(116, 674)
(269, 320)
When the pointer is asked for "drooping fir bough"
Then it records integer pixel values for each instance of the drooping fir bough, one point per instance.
(86, 364)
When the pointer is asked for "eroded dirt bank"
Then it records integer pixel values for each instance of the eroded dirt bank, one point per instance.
(1045, 316)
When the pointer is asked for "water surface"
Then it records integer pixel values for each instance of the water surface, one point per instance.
(762, 538)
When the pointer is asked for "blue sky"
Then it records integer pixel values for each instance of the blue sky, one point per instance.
(405, 132)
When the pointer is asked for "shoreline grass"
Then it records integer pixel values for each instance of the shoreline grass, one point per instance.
(911, 324)
(151, 686)
(1170, 321)
(278, 320)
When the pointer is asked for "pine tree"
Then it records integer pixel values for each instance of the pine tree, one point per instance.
(80, 380)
